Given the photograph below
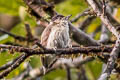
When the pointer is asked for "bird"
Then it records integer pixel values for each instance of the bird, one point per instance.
(55, 35)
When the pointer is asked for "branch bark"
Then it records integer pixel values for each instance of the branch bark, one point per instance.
(75, 50)
(116, 50)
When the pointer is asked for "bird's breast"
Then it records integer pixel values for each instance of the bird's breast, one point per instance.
(58, 38)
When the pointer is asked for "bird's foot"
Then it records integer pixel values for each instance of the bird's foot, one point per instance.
(55, 48)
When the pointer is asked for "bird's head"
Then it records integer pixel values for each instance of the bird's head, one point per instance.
(60, 19)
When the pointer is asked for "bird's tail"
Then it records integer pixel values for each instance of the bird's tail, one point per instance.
(48, 61)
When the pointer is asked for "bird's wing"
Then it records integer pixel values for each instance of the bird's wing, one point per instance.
(45, 35)
(44, 40)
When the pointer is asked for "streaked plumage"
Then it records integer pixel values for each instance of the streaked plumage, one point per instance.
(56, 35)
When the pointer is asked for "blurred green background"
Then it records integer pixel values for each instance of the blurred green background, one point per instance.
(17, 10)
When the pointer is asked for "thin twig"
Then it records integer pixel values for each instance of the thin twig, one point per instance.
(68, 72)
(86, 22)
(17, 37)
(82, 73)
(13, 35)
(104, 7)
(80, 15)
(5, 66)
(29, 33)
(12, 67)
(37, 43)
(25, 73)
(104, 38)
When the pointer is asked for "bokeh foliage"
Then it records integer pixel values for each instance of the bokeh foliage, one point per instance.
(18, 8)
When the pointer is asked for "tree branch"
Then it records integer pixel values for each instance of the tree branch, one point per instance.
(17, 37)
(98, 10)
(74, 50)
(116, 50)
(9, 63)
(13, 66)
(80, 15)
(40, 11)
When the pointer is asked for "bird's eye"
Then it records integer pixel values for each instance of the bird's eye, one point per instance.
(55, 23)
(64, 22)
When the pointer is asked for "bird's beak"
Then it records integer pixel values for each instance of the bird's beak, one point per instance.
(67, 17)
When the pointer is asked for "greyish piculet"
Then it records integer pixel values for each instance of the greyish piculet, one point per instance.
(55, 35)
